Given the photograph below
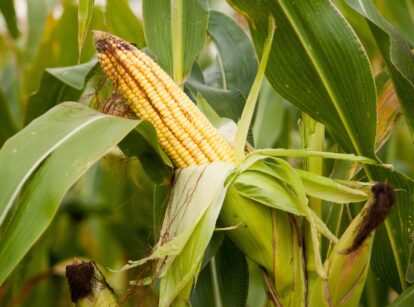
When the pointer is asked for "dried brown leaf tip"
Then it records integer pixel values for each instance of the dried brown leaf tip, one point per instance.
(377, 212)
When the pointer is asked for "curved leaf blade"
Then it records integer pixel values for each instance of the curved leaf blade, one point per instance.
(85, 11)
(318, 64)
(55, 150)
(8, 10)
(224, 281)
(239, 63)
(32, 145)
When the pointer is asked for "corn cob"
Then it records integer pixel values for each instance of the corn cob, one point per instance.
(184, 132)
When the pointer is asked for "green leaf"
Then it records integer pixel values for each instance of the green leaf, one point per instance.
(175, 32)
(245, 121)
(203, 293)
(85, 12)
(397, 55)
(224, 281)
(9, 14)
(227, 83)
(400, 14)
(57, 36)
(235, 51)
(37, 12)
(58, 85)
(123, 22)
(227, 103)
(41, 163)
(406, 299)
(8, 126)
(318, 64)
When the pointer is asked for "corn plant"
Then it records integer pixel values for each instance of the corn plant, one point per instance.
(207, 153)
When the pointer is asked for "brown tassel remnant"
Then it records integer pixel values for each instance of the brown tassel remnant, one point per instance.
(86, 280)
(80, 278)
(384, 198)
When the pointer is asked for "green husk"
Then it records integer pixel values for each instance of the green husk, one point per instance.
(347, 272)
(272, 239)
(263, 200)
(188, 226)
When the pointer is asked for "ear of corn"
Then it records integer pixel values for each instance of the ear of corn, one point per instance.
(183, 131)
(348, 264)
(346, 272)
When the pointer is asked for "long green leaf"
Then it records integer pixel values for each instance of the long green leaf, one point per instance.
(245, 121)
(224, 281)
(237, 59)
(41, 163)
(397, 55)
(225, 84)
(266, 190)
(175, 32)
(85, 11)
(60, 33)
(401, 14)
(318, 64)
(227, 103)
(9, 13)
(37, 11)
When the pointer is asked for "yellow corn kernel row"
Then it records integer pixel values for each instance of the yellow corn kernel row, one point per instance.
(183, 131)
